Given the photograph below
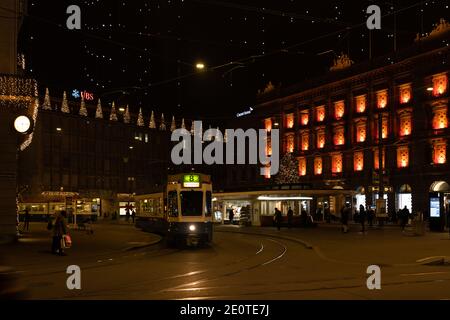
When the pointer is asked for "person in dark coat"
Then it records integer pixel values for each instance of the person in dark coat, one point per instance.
(370, 216)
(290, 216)
(345, 214)
(362, 218)
(278, 218)
(26, 219)
(404, 216)
(59, 229)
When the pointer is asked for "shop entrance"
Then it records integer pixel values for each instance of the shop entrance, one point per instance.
(404, 198)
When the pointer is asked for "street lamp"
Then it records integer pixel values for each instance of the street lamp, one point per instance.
(200, 66)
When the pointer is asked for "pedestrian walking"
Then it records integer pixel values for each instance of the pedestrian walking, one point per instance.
(133, 214)
(370, 216)
(404, 217)
(59, 230)
(277, 218)
(26, 219)
(362, 218)
(290, 216)
(231, 215)
(127, 212)
(345, 214)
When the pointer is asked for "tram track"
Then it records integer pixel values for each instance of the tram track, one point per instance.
(206, 274)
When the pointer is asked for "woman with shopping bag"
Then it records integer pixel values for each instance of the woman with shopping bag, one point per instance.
(60, 235)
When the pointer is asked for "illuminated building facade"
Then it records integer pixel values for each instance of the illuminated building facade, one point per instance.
(337, 123)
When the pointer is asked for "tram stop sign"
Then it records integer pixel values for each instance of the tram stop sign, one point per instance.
(191, 181)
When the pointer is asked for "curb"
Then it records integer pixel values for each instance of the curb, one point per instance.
(438, 260)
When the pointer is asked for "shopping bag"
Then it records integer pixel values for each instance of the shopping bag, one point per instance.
(66, 241)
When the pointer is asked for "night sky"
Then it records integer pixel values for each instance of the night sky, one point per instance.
(143, 53)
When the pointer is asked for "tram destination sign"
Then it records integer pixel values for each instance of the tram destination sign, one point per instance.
(191, 181)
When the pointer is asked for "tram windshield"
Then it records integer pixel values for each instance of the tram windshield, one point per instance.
(191, 203)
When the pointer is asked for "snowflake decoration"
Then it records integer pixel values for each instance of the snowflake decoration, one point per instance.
(76, 94)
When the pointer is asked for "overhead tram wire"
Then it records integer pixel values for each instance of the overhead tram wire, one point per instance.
(285, 49)
(242, 60)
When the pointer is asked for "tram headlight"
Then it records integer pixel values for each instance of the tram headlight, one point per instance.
(192, 227)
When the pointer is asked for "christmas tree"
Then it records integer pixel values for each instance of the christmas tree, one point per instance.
(126, 116)
(113, 115)
(65, 105)
(47, 105)
(288, 172)
(152, 124)
(140, 120)
(83, 110)
(99, 112)
(183, 125)
(173, 125)
(162, 126)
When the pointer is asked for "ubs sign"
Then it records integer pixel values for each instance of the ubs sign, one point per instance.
(89, 96)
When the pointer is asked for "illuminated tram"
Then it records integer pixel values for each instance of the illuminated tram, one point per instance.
(182, 212)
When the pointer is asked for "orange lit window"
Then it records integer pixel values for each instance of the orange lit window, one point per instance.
(384, 128)
(405, 124)
(267, 172)
(269, 146)
(336, 163)
(268, 124)
(339, 109)
(305, 140)
(302, 166)
(339, 136)
(382, 99)
(320, 113)
(361, 131)
(318, 166)
(360, 103)
(290, 143)
(320, 139)
(439, 152)
(440, 120)
(439, 84)
(290, 120)
(304, 118)
(376, 159)
(358, 161)
(402, 156)
(405, 93)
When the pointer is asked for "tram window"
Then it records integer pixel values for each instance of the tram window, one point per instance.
(208, 204)
(191, 203)
(173, 204)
